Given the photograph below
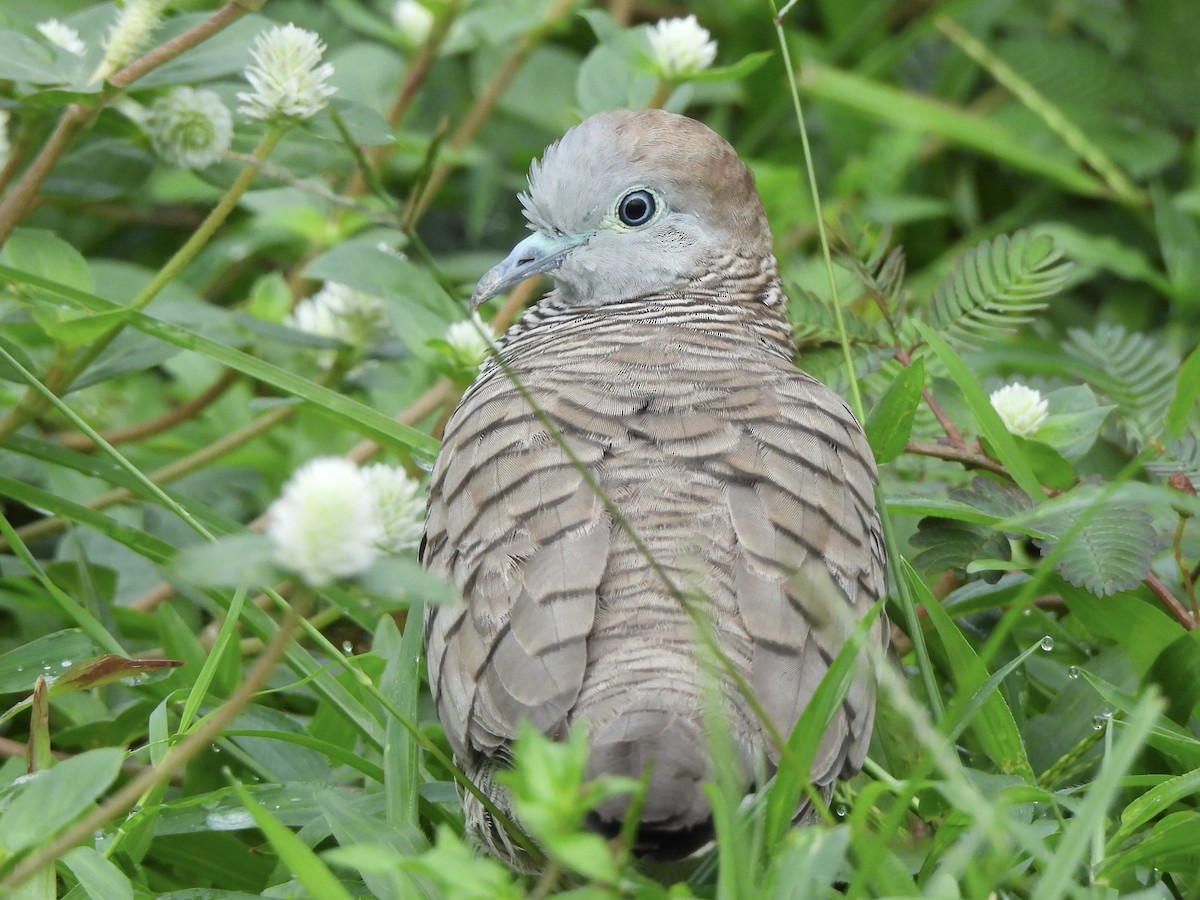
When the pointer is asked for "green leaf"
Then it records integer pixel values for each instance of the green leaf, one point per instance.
(1187, 389)
(98, 877)
(992, 428)
(1112, 552)
(749, 63)
(1135, 371)
(1050, 467)
(808, 861)
(38, 62)
(996, 286)
(401, 681)
(34, 809)
(45, 655)
(297, 856)
(1059, 878)
(1157, 801)
(1074, 420)
(890, 423)
(1176, 671)
(994, 726)
(46, 255)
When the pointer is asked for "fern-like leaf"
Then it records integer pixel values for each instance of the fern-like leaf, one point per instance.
(996, 286)
(1112, 553)
(1134, 372)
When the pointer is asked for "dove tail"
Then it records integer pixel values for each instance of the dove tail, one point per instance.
(675, 818)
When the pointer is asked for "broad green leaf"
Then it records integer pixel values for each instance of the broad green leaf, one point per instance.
(1156, 801)
(1112, 552)
(1141, 629)
(43, 656)
(25, 59)
(34, 809)
(807, 862)
(98, 877)
(300, 860)
(45, 254)
(890, 422)
(1177, 674)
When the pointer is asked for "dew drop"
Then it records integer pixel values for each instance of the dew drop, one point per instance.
(1098, 723)
(840, 810)
(347, 647)
(1047, 643)
(66, 663)
(1073, 672)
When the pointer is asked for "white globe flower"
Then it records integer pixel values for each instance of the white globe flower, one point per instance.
(414, 21)
(342, 313)
(63, 36)
(288, 77)
(400, 505)
(1022, 409)
(190, 128)
(325, 525)
(681, 47)
(470, 340)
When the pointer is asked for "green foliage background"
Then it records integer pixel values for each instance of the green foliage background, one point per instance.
(1012, 189)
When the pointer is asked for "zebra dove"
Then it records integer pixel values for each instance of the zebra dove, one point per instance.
(643, 459)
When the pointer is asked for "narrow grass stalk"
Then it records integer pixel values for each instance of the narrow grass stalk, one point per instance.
(1072, 135)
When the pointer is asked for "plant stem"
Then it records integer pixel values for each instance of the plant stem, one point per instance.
(73, 440)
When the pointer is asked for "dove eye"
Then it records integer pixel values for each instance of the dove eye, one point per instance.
(636, 208)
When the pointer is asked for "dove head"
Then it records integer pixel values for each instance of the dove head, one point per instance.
(635, 203)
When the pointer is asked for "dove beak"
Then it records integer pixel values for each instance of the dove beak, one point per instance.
(537, 254)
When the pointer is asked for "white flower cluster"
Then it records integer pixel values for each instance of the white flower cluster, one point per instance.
(333, 519)
(190, 128)
(129, 34)
(413, 20)
(342, 313)
(1022, 409)
(62, 36)
(470, 341)
(288, 77)
(681, 47)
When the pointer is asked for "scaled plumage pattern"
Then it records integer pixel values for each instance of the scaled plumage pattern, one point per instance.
(663, 358)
